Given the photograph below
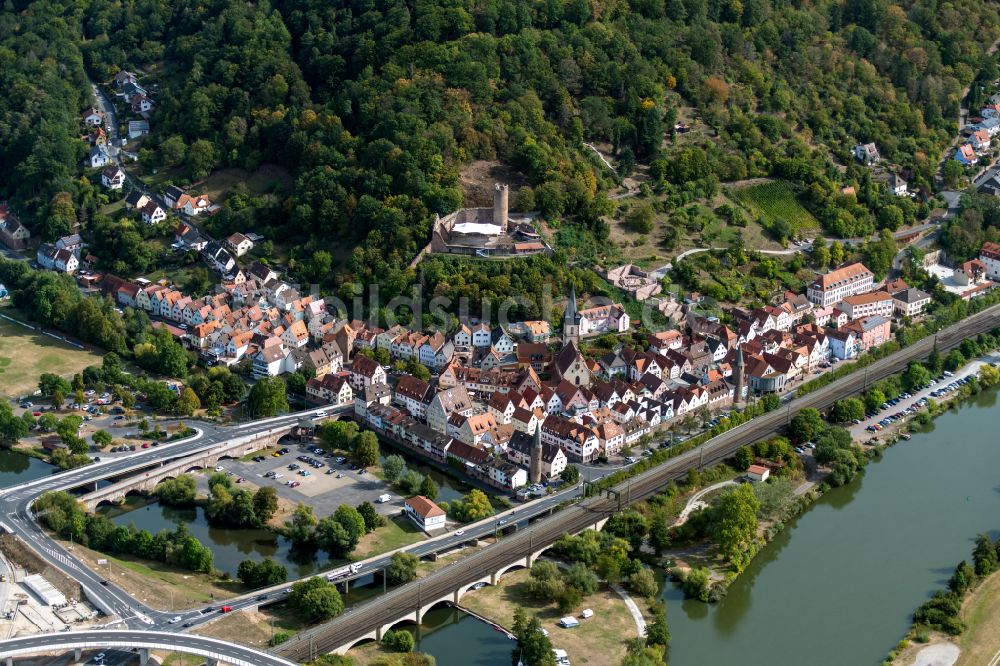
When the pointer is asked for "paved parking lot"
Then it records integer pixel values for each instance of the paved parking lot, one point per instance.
(322, 491)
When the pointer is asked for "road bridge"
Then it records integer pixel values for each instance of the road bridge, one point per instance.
(212, 649)
(408, 603)
(205, 459)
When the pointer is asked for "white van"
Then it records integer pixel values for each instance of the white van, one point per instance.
(382, 499)
(569, 622)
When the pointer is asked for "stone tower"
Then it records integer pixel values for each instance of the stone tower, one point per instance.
(501, 194)
(535, 471)
(571, 319)
(739, 371)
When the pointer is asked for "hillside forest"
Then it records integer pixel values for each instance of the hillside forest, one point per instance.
(375, 106)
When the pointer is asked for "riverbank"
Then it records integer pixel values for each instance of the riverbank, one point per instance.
(704, 558)
(599, 640)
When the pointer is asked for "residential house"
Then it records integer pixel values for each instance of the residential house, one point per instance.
(414, 395)
(980, 141)
(910, 302)
(239, 244)
(365, 372)
(971, 272)
(507, 475)
(481, 335)
(844, 343)
(196, 205)
(270, 360)
(603, 319)
(296, 336)
(136, 200)
(153, 214)
(124, 77)
(141, 104)
(866, 153)
(445, 403)
(462, 338)
(98, 157)
(332, 389)
(427, 515)
(989, 254)
(55, 259)
(93, 117)
(535, 330)
(371, 396)
(113, 178)
(871, 331)
(470, 429)
(13, 234)
(578, 441)
(137, 128)
(73, 242)
(501, 342)
(867, 305)
(966, 154)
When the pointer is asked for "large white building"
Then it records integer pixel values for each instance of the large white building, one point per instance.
(837, 285)
(990, 256)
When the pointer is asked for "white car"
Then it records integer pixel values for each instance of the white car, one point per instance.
(220, 468)
(321, 413)
(175, 619)
(99, 659)
(459, 532)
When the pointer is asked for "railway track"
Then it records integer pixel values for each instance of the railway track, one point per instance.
(360, 620)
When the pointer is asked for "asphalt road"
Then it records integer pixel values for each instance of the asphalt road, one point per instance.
(441, 584)
(18, 499)
(231, 653)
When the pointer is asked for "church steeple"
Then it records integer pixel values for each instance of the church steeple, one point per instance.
(571, 319)
(536, 456)
(739, 371)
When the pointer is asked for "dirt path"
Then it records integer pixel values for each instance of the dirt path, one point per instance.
(695, 502)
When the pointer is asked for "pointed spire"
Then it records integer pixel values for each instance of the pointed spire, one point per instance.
(570, 314)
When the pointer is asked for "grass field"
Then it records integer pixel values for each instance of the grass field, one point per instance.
(981, 640)
(397, 533)
(597, 641)
(264, 179)
(26, 354)
(776, 201)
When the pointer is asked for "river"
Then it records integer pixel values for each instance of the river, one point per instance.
(18, 468)
(838, 586)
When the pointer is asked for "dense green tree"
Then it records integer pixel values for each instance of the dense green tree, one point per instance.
(736, 524)
(402, 568)
(399, 640)
(916, 375)
(177, 492)
(847, 410)
(365, 449)
(806, 425)
(265, 503)
(315, 599)
(393, 467)
(267, 398)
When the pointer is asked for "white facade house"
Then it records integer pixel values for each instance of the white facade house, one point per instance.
(990, 256)
(426, 514)
(152, 213)
(113, 178)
